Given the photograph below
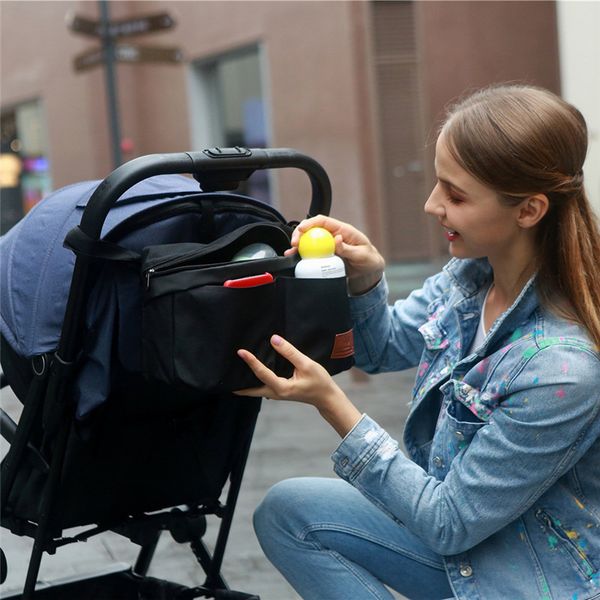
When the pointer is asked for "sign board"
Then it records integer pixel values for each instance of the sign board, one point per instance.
(134, 54)
(128, 53)
(88, 59)
(122, 27)
(83, 25)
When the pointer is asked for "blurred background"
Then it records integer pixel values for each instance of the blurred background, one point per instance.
(360, 86)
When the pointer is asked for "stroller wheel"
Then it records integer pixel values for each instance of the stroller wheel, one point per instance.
(3, 567)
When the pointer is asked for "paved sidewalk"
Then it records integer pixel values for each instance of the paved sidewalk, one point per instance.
(290, 440)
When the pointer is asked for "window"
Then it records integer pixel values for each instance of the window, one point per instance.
(24, 168)
(228, 108)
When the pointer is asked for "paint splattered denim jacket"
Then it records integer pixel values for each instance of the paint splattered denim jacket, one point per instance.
(503, 477)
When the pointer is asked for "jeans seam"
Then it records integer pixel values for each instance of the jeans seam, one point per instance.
(362, 534)
(348, 565)
(337, 556)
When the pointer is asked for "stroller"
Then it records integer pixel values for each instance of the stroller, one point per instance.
(104, 442)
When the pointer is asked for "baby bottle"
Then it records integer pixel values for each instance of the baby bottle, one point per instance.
(316, 248)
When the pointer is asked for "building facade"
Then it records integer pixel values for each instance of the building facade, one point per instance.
(358, 85)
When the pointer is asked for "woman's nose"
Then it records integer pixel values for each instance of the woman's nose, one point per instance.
(433, 205)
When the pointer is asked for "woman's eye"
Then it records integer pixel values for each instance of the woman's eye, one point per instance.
(454, 199)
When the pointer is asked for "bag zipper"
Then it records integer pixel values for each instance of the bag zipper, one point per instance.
(163, 266)
(166, 271)
(153, 271)
(182, 258)
(148, 274)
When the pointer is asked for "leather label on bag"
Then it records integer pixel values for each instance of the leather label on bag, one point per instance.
(343, 345)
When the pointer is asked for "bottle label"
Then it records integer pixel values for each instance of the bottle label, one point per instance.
(329, 271)
(328, 267)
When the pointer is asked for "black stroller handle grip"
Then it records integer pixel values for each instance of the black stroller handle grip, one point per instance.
(211, 167)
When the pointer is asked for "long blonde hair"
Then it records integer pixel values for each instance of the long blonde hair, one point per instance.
(523, 140)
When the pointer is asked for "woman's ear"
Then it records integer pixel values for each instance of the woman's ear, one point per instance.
(532, 210)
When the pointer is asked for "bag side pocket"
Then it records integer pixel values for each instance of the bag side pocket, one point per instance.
(316, 319)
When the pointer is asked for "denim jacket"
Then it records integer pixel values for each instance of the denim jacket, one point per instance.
(503, 474)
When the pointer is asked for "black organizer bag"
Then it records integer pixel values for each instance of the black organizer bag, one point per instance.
(192, 325)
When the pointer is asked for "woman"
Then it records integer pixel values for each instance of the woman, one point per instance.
(500, 495)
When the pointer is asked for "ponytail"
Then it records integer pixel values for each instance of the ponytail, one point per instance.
(521, 141)
(569, 267)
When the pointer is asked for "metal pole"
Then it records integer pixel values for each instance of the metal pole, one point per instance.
(108, 48)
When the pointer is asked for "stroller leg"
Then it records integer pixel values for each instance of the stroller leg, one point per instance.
(235, 482)
(18, 445)
(46, 512)
(142, 564)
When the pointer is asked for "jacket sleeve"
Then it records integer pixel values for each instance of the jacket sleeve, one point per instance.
(386, 337)
(540, 430)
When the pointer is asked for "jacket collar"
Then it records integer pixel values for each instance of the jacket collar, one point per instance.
(471, 275)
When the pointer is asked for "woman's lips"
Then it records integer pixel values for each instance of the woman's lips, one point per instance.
(451, 235)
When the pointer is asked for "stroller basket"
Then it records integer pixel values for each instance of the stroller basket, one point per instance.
(109, 439)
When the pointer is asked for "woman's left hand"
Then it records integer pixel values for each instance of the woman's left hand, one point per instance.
(310, 383)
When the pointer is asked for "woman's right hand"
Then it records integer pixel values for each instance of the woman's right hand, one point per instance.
(364, 264)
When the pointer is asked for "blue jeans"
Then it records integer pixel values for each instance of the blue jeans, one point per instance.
(331, 543)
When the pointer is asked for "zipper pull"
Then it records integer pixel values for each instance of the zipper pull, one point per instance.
(149, 273)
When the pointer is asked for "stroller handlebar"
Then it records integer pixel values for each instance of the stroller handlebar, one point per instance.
(215, 169)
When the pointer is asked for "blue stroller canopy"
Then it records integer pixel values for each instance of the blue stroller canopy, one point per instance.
(35, 268)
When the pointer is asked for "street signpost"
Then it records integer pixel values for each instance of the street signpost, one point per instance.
(111, 51)
(122, 27)
(128, 53)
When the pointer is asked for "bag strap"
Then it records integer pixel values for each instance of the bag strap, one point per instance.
(82, 244)
(246, 234)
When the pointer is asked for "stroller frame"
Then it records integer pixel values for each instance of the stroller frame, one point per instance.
(47, 396)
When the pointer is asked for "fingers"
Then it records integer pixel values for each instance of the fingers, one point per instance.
(355, 254)
(334, 226)
(256, 392)
(274, 386)
(289, 352)
(310, 382)
(261, 371)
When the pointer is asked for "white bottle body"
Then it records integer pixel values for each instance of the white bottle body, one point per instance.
(328, 267)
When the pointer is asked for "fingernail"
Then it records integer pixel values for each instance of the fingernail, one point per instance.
(276, 340)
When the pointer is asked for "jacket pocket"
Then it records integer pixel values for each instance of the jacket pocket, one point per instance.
(480, 403)
(455, 429)
(461, 427)
(566, 540)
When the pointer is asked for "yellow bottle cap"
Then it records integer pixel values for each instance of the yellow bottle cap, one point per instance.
(317, 242)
